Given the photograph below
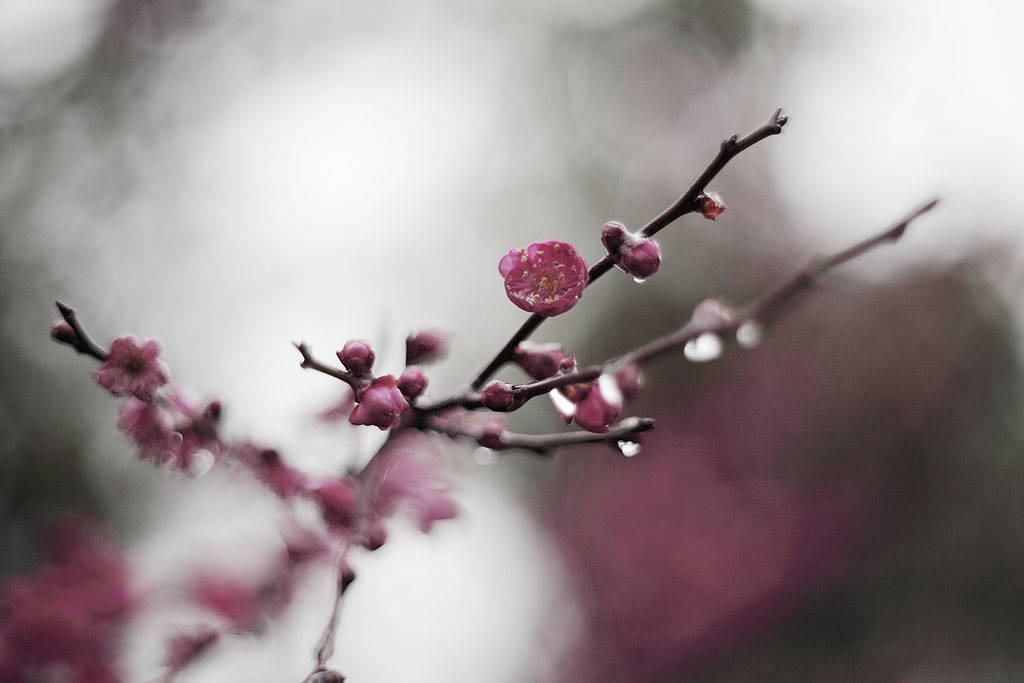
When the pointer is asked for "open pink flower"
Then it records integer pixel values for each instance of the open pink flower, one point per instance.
(132, 368)
(68, 616)
(406, 475)
(546, 278)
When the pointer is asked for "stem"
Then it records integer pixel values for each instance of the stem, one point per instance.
(86, 344)
(543, 444)
(759, 310)
(311, 363)
(682, 206)
(326, 646)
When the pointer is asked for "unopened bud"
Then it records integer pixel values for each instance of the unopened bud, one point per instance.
(412, 382)
(629, 380)
(635, 254)
(425, 346)
(375, 536)
(357, 356)
(540, 361)
(493, 432)
(613, 235)
(62, 332)
(601, 407)
(498, 396)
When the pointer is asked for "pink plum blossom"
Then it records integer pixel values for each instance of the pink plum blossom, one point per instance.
(601, 407)
(339, 501)
(68, 615)
(546, 278)
(132, 368)
(150, 426)
(406, 475)
(381, 404)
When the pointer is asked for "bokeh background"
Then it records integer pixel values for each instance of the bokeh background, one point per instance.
(842, 503)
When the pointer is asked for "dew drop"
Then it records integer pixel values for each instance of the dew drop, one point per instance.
(703, 348)
(628, 448)
(200, 462)
(749, 334)
(639, 280)
(485, 456)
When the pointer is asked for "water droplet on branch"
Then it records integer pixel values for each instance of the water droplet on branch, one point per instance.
(703, 348)
(628, 448)
(749, 334)
(485, 456)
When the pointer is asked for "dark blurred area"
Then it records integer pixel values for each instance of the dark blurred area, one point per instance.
(841, 503)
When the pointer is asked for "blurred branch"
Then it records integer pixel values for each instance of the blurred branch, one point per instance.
(543, 444)
(687, 203)
(757, 312)
(326, 648)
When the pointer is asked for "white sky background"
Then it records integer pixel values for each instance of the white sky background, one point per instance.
(300, 164)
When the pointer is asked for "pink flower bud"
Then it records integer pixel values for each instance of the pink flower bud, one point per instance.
(601, 407)
(357, 356)
(339, 501)
(540, 361)
(629, 380)
(498, 396)
(492, 432)
(132, 368)
(381, 404)
(63, 332)
(613, 235)
(412, 382)
(636, 255)
(425, 346)
(710, 205)
(546, 278)
(713, 313)
(376, 535)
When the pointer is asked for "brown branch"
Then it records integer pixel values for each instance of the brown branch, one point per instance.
(543, 444)
(687, 203)
(83, 343)
(759, 311)
(326, 647)
(311, 363)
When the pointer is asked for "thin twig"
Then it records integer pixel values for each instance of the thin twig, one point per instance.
(85, 343)
(686, 203)
(311, 363)
(759, 311)
(543, 444)
(326, 647)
